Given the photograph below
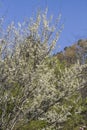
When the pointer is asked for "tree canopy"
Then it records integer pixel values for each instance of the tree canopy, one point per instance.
(36, 90)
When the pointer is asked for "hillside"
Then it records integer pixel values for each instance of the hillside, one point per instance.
(74, 53)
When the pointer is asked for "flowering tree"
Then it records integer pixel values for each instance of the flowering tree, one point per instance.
(30, 90)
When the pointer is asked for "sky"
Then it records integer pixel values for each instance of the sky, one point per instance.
(74, 16)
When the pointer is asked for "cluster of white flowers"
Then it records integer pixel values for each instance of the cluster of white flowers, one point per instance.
(28, 86)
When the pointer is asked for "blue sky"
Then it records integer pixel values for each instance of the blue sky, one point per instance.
(74, 16)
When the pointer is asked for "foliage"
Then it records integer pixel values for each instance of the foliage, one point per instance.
(77, 51)
(36, 90)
